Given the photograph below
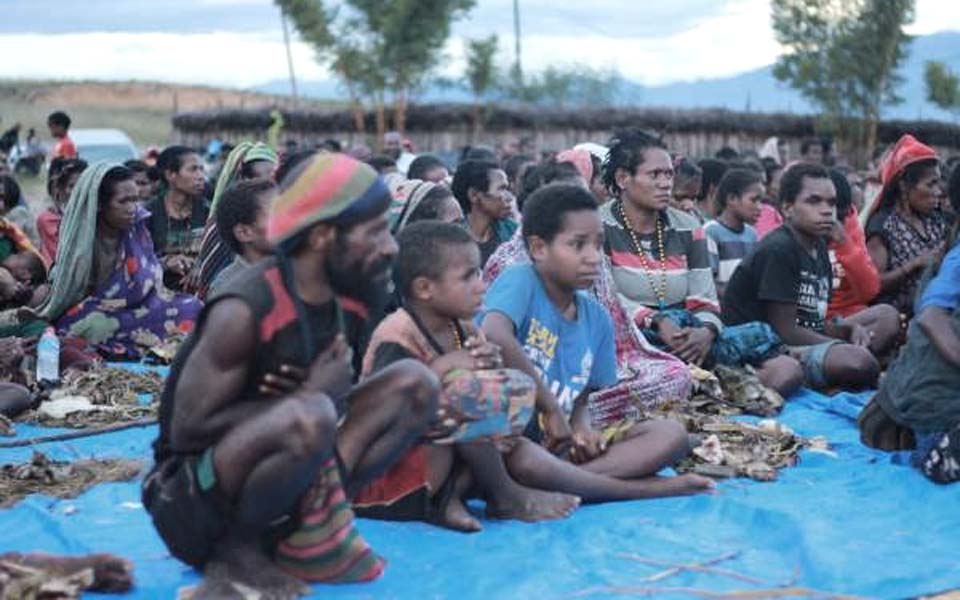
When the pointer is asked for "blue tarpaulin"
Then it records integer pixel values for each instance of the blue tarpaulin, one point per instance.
(861, 522)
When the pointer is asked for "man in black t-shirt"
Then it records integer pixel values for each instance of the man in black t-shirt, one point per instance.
(786, 282)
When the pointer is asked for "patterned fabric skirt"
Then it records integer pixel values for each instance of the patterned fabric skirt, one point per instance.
(748, 344)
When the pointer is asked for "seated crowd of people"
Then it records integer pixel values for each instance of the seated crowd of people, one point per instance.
(391, 345)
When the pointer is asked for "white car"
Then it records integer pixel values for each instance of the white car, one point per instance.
(103, 144)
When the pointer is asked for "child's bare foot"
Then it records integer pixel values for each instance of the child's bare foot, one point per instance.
(530, 505)
(456, 516)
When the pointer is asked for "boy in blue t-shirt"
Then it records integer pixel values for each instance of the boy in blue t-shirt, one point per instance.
(548, 327)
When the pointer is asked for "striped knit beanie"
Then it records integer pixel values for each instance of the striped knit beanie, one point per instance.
(332, 187)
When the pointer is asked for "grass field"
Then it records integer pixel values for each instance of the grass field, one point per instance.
(142, 109)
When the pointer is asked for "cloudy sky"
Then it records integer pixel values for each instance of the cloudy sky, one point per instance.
(239, 43)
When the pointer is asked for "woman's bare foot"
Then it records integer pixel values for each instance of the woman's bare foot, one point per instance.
(530, 505)
(456, 516)
(681, 485)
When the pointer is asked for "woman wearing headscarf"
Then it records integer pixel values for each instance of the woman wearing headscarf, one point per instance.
(907, 226)
(415, 200)
(107, 281)
(247, 161)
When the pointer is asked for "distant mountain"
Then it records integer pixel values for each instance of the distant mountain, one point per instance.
(758, 90)
(755, 90)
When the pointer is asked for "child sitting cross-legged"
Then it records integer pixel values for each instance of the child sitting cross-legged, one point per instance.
(437, 272)
(787, 282)
(549, 328)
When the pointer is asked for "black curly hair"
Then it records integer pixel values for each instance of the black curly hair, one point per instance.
(626, 152)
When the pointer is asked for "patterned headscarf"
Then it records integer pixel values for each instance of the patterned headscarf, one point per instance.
(74, 261)
(581, 160)
(407, 196)
(215, 255)
(244, 153)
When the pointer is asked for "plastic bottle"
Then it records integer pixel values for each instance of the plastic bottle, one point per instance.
(48, 359)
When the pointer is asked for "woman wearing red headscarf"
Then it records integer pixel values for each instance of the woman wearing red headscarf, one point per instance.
(907, 226)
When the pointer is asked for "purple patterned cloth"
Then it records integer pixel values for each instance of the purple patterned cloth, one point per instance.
(131, 311)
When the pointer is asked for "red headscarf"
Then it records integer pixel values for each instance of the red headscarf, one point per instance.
(906, 152)
(581, 160)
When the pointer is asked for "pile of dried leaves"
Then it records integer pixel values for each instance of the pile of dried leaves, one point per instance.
(61, 479)
(6, 427)
(163, 352)
(42, 576)
(99, 396)
(731, 448)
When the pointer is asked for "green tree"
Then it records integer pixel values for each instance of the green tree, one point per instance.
(943, 86)
(481, 74)
(315, 24)
(382, 50)
(312, 20)
(843, 56)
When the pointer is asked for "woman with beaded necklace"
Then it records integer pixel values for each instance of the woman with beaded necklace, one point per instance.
(661, 269)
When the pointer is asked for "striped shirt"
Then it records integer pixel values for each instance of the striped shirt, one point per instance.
(728, 248)
(689, 279)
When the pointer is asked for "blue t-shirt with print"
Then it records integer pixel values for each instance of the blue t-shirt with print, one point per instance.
(571, 355)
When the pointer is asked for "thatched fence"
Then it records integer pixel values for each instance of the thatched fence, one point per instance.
(447, 127)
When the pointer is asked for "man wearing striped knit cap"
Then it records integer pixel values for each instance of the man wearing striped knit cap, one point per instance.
(252, 472)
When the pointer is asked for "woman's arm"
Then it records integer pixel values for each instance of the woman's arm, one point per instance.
(892, 279)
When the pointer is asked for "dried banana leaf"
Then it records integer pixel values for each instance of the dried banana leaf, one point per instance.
(743, 389)
(99, 396)
(732, 448)
(37, 575)
(60, 479)
(19, 582)
(164, 352)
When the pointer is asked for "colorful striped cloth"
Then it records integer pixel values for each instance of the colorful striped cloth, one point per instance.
(689, 278)
(332, 187)
(327, 547)
(728, 248)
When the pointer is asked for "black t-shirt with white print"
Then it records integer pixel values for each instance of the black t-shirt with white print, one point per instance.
(780, 270)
